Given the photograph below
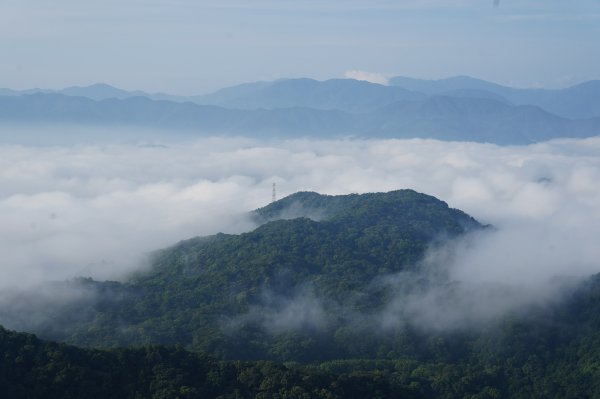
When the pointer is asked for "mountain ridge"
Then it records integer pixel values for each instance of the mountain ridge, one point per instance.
(580, 101)
(198, 290)
(440, 117)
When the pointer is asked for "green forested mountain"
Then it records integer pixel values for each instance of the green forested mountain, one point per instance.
(549, 354)
(288, 290)
(336, 287)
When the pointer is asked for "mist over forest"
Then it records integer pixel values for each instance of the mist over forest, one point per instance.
(98, 210)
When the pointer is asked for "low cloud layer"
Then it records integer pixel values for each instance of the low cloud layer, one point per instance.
(301, 310)
(95, 210)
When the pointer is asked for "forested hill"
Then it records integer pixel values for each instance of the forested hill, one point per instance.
(401, 207)
(238, 295)
(335, 285)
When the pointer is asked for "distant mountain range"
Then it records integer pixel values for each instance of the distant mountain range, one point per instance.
(459, 108)
(342, 94)
(576, 102)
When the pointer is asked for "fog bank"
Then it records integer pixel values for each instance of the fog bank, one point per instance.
(96, 209)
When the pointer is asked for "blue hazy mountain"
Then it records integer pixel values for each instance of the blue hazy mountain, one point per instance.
(341, 94)
(97, 91)
(11, 92)
(439, 117)
(61, 109)
(444, 85)
(577, 102)
(100, 91)
(475, 93)
(344, 94)
(474, 119)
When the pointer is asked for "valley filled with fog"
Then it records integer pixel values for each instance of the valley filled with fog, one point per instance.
(98, 208)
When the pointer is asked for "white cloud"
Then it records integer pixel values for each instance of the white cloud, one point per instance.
(367, 76)
(96, 209)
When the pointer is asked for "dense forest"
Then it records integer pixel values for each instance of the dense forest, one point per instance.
(532, 358)
(327, 297)
(31, 368)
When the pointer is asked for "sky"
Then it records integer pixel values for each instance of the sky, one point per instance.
(193, 47)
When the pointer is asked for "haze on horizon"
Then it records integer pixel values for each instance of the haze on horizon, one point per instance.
(185, 47)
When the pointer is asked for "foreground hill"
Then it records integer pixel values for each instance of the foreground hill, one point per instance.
(549, 354)
(259, 294)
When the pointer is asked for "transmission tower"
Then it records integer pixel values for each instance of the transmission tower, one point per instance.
(274, 196)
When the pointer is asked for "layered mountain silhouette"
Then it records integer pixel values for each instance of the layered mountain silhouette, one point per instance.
(459, 108)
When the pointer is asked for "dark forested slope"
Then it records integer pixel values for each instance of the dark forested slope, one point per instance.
(549, 354)
(32, 369)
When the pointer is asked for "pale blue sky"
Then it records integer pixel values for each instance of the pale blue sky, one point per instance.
(192, 47)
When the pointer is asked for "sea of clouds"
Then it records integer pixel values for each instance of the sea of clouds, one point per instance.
(98, 208)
